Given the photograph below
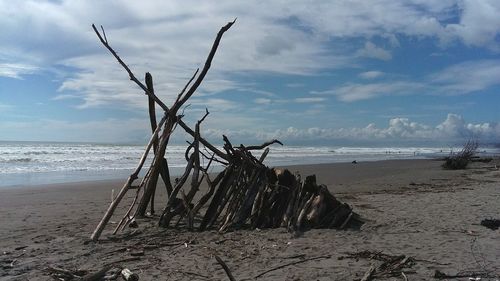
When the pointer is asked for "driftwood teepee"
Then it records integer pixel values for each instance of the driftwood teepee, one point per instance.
(245, 194)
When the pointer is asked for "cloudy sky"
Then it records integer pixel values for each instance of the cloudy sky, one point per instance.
(307, 72)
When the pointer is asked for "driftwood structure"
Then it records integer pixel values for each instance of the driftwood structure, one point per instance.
(245, 194)
(461, 160)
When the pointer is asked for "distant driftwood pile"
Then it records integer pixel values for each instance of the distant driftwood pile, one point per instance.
(461, 160)
(245, 194)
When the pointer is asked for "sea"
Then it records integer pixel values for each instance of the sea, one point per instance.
(40, 163)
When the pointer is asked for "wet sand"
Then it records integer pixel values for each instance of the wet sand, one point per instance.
(411, 207)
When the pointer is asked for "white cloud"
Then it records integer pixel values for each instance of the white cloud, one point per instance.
(371, 74)
(172, 38)
(16, 70)
(262, 101)
(370, 50)
(356, 92)
(479, 23)
(467, 77)
(5, 107)
(462, 78)
(109, 130)
(454, 128)
(295, 85)
(309, 100)
(454, 125)
(213, 104)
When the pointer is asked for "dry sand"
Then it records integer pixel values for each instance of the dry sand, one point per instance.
(412, 208)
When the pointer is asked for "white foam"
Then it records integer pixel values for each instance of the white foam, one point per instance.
(24, 158)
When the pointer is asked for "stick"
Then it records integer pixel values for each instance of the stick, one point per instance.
(155, 168)
(255, 147)
(204, 199)
(441, 275)
(130, 74)
(344, 224)
(195, 183)
(185, 87)
(152, 119)
(225, 267)
(193, 88)
(292, 263)
(205, 69)
(126, 218)
(368, 274)
(100, 227)
(165, 174)
(203, 141)
(165, 216)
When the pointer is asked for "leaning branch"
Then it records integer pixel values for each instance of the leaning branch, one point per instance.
(205, 69)
(104, 41)
(203, 141)
(100, 227)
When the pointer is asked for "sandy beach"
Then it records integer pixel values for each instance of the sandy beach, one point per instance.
(411, 207)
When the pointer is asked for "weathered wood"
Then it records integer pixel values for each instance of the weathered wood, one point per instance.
(246, 192)
(291, 263)
(127, 218)
(167, 215)
(225, 267)
(226, 196)
(156, 166)
(262, 146)
(130, 73)
(205, 69)
(152, 119)
(129, 275)
(195, 182)
(368, 274)
(219, 193)
(164, 171)
(100, 227)
(204, 199)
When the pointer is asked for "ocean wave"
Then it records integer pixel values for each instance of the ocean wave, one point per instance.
(18, 160)
(77, 157)
(43, 153)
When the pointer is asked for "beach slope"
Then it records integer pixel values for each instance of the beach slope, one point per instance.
(411, 207)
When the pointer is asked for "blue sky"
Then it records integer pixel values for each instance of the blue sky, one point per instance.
(306, 72)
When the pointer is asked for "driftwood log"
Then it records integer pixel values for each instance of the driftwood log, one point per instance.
(246, 194)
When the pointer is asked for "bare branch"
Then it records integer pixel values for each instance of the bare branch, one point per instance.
(130, 74)
(292, 263)
(255, 147)
(185, 87)
(225, 267)
(205, 69)
(203, 141)
(204, 116)
(104, 33)
(100, 227)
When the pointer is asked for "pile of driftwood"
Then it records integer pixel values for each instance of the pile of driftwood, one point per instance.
(245, 194)
(461, 160)
(391, 266)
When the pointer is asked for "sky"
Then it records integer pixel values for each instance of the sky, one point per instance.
(306, 72)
